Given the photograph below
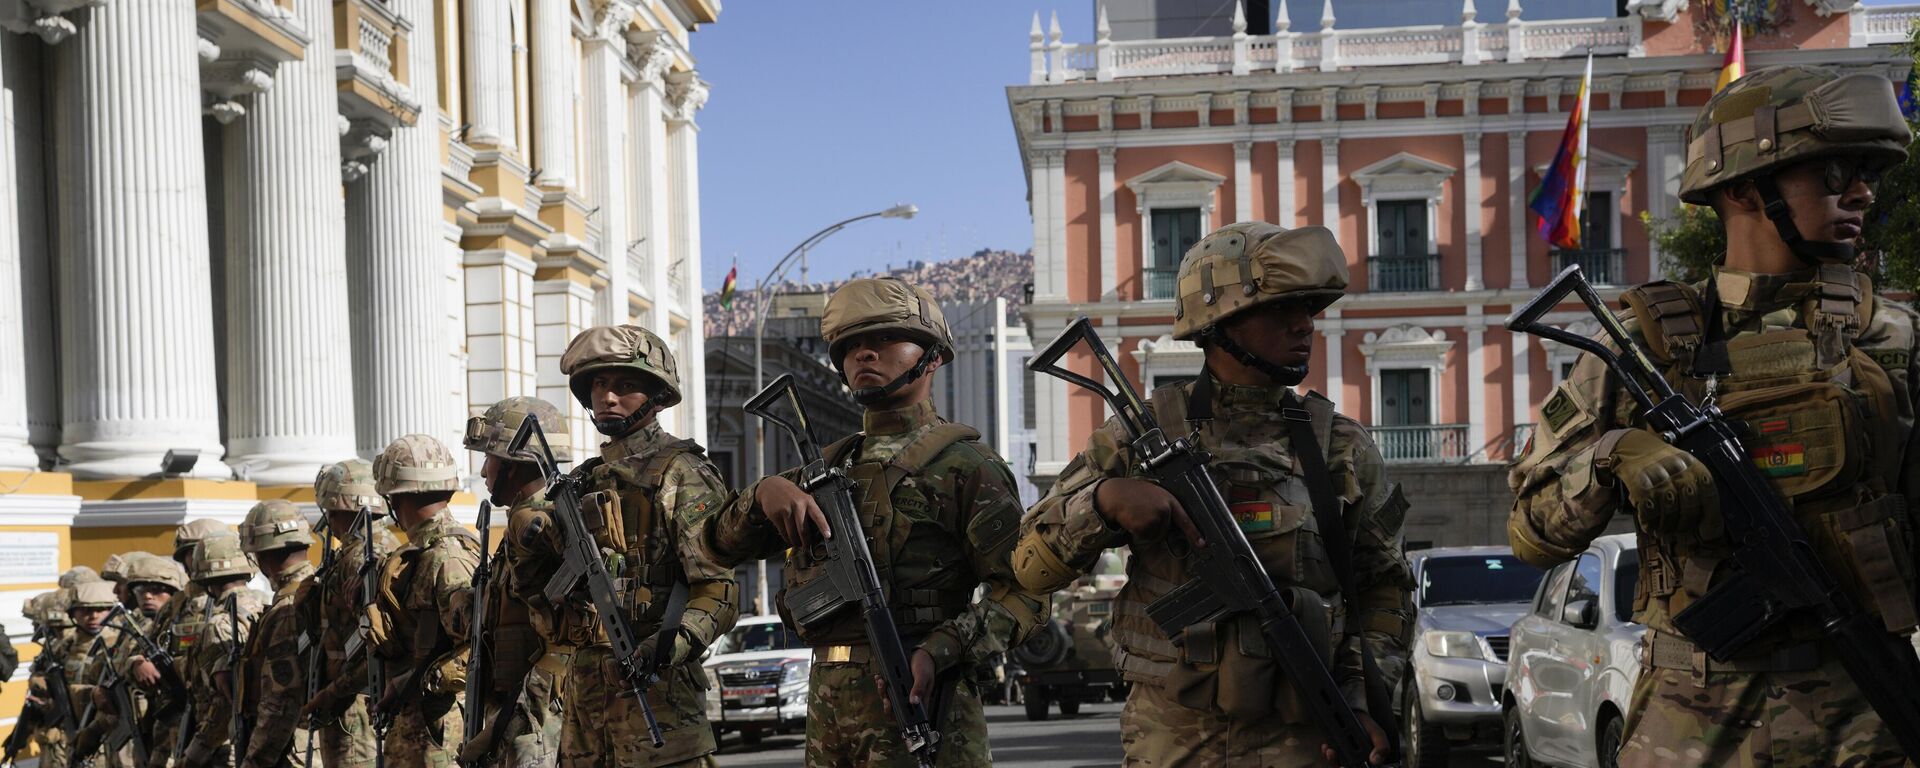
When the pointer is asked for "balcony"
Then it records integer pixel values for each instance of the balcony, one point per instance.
(370, 65)
(1425, 444)
(1602, 266)
(1388, 273)
(1160, 282)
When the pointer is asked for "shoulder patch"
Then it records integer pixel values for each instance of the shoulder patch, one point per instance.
(1891, 359)
(1560, 410)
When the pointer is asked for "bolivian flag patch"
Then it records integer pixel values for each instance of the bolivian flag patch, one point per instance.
(1253, 516)
(1781, 459)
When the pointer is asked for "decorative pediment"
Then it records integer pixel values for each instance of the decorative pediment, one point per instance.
(1405, 344)
(1175, 184)
(1403, 172)
(1605, 170)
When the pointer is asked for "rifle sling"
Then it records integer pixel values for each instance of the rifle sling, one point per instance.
(1333, 533)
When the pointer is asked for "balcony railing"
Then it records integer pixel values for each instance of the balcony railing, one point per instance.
(1436, 443)
(1161, 282)
(1602, 266)
(1403, 273)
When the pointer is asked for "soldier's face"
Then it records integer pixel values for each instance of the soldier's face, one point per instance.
(875, 359)
(618, 394)
(89, 619)
(1280, 333)
(1829, 196)
(273, 562)
(504, 485)
(153, 597)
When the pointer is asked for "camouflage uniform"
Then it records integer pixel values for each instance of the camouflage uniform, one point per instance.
(650, 490)
(523, 712)
(230, 613)
(116, 655)
(346, 734)
(50, 609)
(955, 509)
(86, 658)
(177, 629)
(1823, 376)
(274, 664)
(1212, 697)
(417, 613)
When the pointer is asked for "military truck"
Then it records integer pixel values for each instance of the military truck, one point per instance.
(1069, 660)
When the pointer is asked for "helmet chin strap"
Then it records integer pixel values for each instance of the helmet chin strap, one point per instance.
(1283, 375)
(1812, 252)
(617, 428)
(872, 395)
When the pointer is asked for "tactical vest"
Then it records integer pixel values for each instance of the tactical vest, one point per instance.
(626, 520)
(1824, 419)
(510, 630)
(1225, 666)
(903, 532)
(412, 636)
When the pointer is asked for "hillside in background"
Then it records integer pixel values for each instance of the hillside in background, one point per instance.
(985, 274)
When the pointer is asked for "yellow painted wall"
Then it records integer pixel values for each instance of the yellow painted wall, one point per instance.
(92, 546)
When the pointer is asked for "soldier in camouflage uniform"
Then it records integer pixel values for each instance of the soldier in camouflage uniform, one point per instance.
(221, 568)
(647, 490)
(1247, 295)
(523, 706)
(85, 657)
(417, 612)
(118, 657)
(946, 509)
(176, 628)
(346, 734)
(1793, 342)
(50, 611)
(274, 669)
(152, 581)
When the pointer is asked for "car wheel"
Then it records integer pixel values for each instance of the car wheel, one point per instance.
(1424, 745)
(1612, 734)
(1515, 741)
(1069, 706)
(752, 736)
(1036, 702)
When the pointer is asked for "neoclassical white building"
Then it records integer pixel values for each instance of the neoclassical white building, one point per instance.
(279, 233)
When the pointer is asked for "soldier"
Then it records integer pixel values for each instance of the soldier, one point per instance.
(417, 631)
(229, 610)
(1248, 294)
(523, 707)
(116, 656)
(85, 652)
(57, 625)
(274, 673)
(945, 509)
(342, 491)
(77, 575)
(1791, 340)
(651, 489)
(176, 628)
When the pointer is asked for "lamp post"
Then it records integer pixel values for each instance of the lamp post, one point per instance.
(763, 299)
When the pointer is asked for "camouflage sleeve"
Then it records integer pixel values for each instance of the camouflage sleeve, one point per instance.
(739, 532)
(695, 493)
(211, 658)
(984, 491)
(1381, 612)
(279, 689)
(1064, 534)
(452, 573)
(1561, 503)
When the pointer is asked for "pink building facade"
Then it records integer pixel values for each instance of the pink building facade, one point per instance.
(1418, 146)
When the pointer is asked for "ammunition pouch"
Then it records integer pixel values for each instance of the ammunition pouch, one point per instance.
(1226, 667)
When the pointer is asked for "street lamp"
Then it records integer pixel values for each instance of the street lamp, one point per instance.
(764, 298)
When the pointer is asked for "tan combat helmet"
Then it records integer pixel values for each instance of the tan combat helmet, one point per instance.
(274, 524)
(1251, 263)
(348, 486)
(620, 346)
(415, 464)
(78, 575)
(871, 304)
(153, 569)
(50, 609)
(1777, 117)
(191, 533)
(490, 433)
(93, 594)
(115, 568)
(219, 557)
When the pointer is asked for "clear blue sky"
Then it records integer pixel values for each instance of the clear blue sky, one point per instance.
(825, 110)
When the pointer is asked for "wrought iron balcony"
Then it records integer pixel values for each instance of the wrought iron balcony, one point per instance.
(1431, 443)
(1603, 266)
(1391, 272)
(1161, 282)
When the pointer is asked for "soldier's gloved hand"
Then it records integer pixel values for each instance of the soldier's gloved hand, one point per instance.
(1379, 754)
(681, 651)
(1669, 489)
(1143, 509)
(790, 510)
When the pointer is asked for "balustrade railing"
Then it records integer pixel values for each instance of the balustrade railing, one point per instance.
(1432, 443)
(1403, 273)
(1602, 266)
(1160, 282)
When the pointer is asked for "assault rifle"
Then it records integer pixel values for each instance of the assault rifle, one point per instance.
(239, 728)
(581, 560)
(312, 629)
(1774, 573)
(849, 579)
(376, 669)
(1227, 578)
(479, 647)
(172, 688)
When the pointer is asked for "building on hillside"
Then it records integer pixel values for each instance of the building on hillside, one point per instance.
(1418, 146)
(273, 235)
(985, 387)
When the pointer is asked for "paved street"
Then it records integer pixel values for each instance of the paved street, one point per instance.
(1089, 740)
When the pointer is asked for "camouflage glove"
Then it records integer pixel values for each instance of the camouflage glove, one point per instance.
(1668, 489)
(683, 649)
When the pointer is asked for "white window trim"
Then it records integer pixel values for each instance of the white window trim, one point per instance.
(1168, 356)
(1404, 176)
(1405, 347)
(1173, 185)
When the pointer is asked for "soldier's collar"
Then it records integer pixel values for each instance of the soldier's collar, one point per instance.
(639, 442)
(437, 521)
(899, 420)
(294, 575)
(1240, 396)
(1751, 291)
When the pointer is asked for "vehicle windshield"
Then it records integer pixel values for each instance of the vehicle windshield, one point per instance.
(1626, 577)
(749, 638)
(1477, 580)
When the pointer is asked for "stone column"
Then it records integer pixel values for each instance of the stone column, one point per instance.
(489, 72)
(686, 95)
(605, 96)
(1283, 183)
(1476, 384)
(1336, 361)
(1109, 226)
(1039, 203)
(1242, 179)
(1330, 188)
(136, 305)
(1517, 185)
(396, 273)
(647, 137)
(25, 70)
(289, 357)
(1473, 210)
(15, 450)
(553, 65)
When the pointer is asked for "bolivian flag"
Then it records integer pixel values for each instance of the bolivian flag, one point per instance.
(1564, 189)
(1735, 64)
(727, 287)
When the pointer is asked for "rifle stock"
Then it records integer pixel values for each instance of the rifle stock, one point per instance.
(1774, 572)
